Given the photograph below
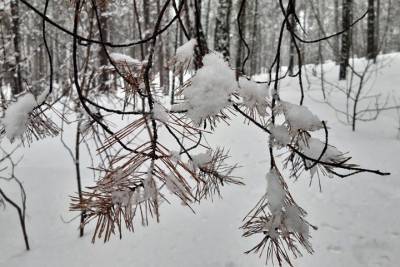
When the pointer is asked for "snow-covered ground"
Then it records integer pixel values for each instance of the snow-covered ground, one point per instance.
(358, 217)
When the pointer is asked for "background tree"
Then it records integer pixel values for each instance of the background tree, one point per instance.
(222, 27)
(347, 15)
(371, 40)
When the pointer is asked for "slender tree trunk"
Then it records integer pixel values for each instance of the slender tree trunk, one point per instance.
(222, 27)
(4, 76)
(254, 46)
(132, 22)
(320, 13)
(336, 40)
(292, 52)
(139, 28)
(201, 48)
(102, 54)
(177, 36)
(78, 173)
(161, 57)
(146, 19)
(371, 42)
(377, 27)
(303, 48)
(21, 216)
(180, 43)
(242, 25)
(17, 88)
(186, 18)
(346, 38)
(207, 21)
(166, 66)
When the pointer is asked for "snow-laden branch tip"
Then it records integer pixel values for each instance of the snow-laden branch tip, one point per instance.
(210, 89)
(185, 52)
(17, 114)
(300, 117)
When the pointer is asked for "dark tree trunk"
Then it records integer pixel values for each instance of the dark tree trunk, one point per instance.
(166, 66)
(201, 48)
(78, 173)
(346, 38)
(146, 19)
(336, 40)
(17, 88)
(102, 54)
(134, 29)
(371, 42)
(139, 29)
(161, 56)
(222, 27)
(292, 27)
(242, 25)
(21, 215)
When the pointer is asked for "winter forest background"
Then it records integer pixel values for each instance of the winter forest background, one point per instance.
(199, 133)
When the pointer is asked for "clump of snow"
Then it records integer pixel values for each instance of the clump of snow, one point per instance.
(286, 217)
(17, 114)
(121, 197)
(160, 113)
(300, 117)
(314, 147)
(254, 95)
(138, 196)
(122, 58)
(210, 88)
(280, 135)
(202, 159)
(275, 192)
(116, 177)
(273, 225)
(185, 52)
(294, 222)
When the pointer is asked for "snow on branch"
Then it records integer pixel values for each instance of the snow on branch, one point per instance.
(210, 89)
(22, 118)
